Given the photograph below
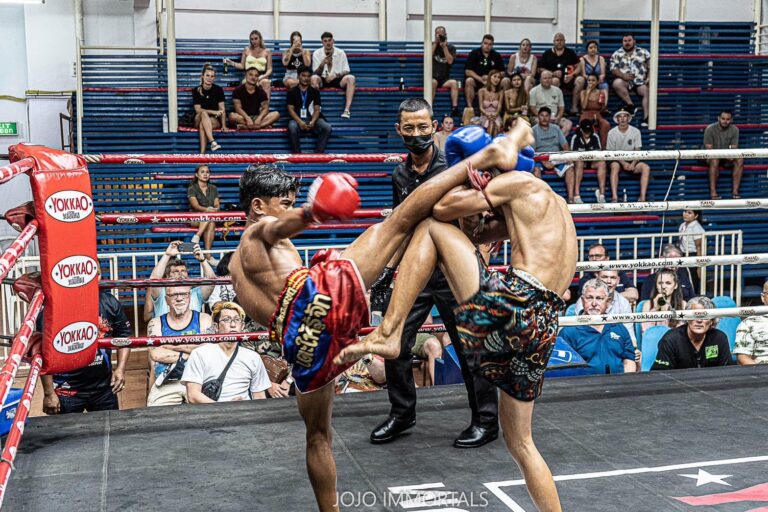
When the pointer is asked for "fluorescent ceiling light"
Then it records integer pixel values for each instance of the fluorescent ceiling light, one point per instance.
(6, 2)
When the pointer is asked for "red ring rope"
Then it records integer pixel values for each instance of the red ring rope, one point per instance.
(16, 249)
(9, 171)
(19, 346)
(299, 158)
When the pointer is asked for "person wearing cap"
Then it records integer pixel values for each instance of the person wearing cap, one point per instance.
(584, 139)
(625, 137)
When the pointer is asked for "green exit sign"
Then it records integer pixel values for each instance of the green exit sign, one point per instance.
(9, 128)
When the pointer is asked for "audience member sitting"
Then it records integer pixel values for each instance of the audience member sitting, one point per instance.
(625, 286)
(169, 360)
(523, 63)
(251, 104)
(617, 304)
(606, 348)
(294, 58)
(479, 63)
(368, 374)
(670, 251)
(548, 95)
(629, 66)
(550, 139)
(305, 112)
(448, 126)
(695, 344)
(515, 98)
(171, 266)
(210, 112)
(691, 232)
(490, 103)
(626, 138)
(222, 292)
(723, 135)
(584, 139)
(666, 296)
(256, 56)
(593, 102)
(443, 55)
(223, 372)
(592, 63)
(203, 196)
(429, 347)
(565, 67)
(331, 69)
(752, 336)
(95, 387)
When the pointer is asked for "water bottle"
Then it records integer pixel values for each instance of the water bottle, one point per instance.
(625, 195)
(402, 84)
(226, 66)
(165, 123)
(459, 82)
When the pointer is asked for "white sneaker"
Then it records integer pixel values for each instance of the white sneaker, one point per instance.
(577, 200)
(346, 114)
(600, 197)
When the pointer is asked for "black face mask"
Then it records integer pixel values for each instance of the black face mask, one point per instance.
(417, 144)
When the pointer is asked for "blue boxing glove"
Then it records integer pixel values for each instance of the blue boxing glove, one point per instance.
(525, 160)
(465, 142)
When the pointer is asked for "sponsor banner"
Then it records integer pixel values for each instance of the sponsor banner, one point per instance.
(69, 205)
(75, 271)
(75, 337)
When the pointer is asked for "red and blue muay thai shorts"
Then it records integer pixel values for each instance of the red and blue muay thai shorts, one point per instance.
(319, 312)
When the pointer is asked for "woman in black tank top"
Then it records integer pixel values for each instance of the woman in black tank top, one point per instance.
(293, 58)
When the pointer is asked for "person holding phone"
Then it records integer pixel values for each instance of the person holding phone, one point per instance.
(666, 297)
(331, 69)
(203, 197)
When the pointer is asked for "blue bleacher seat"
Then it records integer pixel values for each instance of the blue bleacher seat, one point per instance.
(727, 324)
(571, 310)
(650, 345)
(639, 309)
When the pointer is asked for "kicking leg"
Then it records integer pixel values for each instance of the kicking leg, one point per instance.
(430, 240)
(515, 416)
(316, 409)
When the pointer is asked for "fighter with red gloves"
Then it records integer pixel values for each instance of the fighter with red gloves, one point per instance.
(317, 312)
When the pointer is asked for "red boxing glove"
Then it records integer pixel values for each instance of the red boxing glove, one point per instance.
(332, 196)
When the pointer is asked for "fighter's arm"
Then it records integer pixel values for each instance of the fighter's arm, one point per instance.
(271, 230)
(464, 202)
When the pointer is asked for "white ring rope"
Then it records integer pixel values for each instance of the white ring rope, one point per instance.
(653, 206)
(671, 154)
(689, 314)
(689, 261)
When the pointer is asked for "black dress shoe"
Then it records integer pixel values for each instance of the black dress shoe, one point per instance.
(475, 436)
(390, 429)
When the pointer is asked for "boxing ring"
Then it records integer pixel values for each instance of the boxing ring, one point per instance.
(646, 441)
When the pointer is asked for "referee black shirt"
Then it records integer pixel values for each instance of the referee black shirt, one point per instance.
(405, 179)
(676, 351)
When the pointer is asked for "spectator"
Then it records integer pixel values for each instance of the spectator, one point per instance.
(169, 360)
(331, 69)
(593, 102)
(490, 99)
(515, 98)
(203, 196)
(256, 56)
(626, 138)
(241, 373)
(625, 286)
(95, 387)
(210, 111)
(695, 344)
(723, 135)
(251, 104)
(617, 304)
(691, 232)
(547, 95)
(305, 112)
(606, 348)
(171, 266)
(670, 251)
(428, 348)
(222, 292)
(565, 67)
(629, 66)
(584, 139)
(523, 63)
(448, 126)
(479, 63)
(443, 55)
(294, 58)
(752, 336)
(592, 63)
(367, 374)
(551, 140)
(666, 296)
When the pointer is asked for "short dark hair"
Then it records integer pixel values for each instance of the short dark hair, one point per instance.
(544, 109)
(489, 37)
(265, 181)
(595, 246)
(174, 262)
(628, 34)
(725, 111)
(326, 34)
(413, 105)
(303, 69)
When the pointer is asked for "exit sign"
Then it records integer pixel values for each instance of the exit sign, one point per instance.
(9, 128)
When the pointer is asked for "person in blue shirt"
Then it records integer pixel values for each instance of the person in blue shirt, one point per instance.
(606, 348)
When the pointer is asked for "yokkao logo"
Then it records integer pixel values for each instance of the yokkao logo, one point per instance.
(75, 271)
(75, 337)
(69, 205)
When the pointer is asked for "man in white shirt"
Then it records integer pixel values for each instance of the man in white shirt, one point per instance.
(331, 69)
(752, 336)
(625, 137)
(245, 379)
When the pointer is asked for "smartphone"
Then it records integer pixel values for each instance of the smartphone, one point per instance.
(187, 247)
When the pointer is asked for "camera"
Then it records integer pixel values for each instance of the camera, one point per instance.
(441, 38)
(661, 301)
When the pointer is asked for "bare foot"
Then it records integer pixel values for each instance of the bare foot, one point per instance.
(506, 150)
(374, 343)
